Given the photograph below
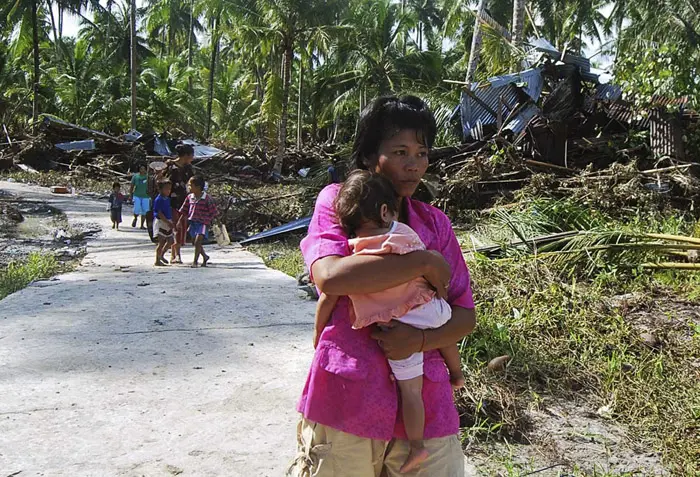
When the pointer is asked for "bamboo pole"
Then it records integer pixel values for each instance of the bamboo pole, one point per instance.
(672, 266)
(675, 238)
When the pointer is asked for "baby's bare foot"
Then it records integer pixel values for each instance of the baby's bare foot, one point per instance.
(415, 458)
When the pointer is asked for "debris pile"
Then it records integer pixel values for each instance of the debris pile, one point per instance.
(558, 129)
(66, 147)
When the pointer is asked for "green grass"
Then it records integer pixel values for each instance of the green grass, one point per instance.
(570, 340)
(21, 273)
(283, 255)
(567, 341)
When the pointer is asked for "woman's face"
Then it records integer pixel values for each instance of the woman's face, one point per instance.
(403, 160)
(187, 159)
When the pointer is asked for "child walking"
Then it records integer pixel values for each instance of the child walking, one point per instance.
(139, 196)
(116, 199)
(200, 210)
(163, 222)
(367, 208)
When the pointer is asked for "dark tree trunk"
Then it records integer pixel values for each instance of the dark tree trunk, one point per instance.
(212, 72)
(37, 72)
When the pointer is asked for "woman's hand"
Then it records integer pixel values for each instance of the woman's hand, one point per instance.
(438, 273)
(398, 340)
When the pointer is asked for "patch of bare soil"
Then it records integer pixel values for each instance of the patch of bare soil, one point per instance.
(660, 320)
(567, 439)
(28, 226)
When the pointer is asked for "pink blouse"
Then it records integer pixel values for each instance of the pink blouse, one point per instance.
(382, 307)
(349, 387)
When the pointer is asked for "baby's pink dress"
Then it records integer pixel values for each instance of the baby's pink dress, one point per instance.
(384, 306)
(413, 302)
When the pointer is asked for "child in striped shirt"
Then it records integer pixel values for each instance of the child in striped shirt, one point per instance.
(200, 210)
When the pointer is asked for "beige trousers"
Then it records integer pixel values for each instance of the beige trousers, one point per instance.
(327, 452)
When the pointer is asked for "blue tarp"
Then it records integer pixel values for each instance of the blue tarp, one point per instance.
(300, 224)
(160, 147)
(86, 145)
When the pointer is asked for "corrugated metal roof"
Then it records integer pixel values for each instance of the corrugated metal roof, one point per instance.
(658, 100)
(665, 134)
(544, 46)
(608, 92)
(498, 89)
(518, 123)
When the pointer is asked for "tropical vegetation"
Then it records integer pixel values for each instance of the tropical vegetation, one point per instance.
(290, 71)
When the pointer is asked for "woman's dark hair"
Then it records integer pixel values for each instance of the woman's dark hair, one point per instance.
(116, 184)
(361, 198)
(184, 150)
(198, 181)
(386, 116)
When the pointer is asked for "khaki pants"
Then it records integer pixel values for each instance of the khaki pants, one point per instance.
(327, 452)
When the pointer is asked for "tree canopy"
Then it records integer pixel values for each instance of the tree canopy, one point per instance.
(294, 71)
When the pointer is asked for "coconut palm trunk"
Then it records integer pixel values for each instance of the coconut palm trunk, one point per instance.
(37, 71)
(300, 116)
(190, 36)
(518, 22)
(476, 42)
(212, 72)
(133, 64)
(287, 75)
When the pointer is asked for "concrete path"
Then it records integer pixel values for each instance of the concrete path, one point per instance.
(122, 369)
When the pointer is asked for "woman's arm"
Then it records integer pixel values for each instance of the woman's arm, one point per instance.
(359, 274)
(400, 341)
(324, 310)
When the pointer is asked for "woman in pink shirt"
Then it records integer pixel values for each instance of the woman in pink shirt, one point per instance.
(350, 422)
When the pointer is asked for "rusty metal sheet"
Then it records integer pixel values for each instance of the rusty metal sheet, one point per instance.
(665, 134)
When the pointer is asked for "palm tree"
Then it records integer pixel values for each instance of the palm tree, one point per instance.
(289, 28)
(132, 13)
(566, 23)
(26, 16)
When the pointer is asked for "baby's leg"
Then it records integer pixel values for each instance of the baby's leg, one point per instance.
(409, 374)
(454, 365)
(414, 421)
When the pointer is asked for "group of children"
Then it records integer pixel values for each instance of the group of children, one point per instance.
(196, 214)
(367, 208)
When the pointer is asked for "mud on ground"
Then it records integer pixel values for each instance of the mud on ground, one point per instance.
(30, 225)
